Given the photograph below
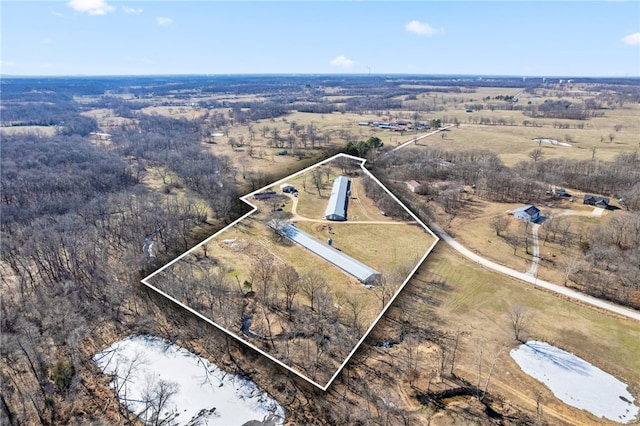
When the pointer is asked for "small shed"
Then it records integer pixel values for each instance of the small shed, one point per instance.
(413, 185)
(527, 213)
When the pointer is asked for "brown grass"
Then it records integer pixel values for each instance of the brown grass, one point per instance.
(14, 130)
(477, 304)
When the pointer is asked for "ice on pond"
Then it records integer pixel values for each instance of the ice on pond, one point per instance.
(551, 141)
(576, 382)
(157, 380)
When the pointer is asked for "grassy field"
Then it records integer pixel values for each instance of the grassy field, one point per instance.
(391, 247)
(514, 141)
(43, 130)
(477, 303)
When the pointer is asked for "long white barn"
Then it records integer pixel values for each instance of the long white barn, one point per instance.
(337, 207)
(343, 261)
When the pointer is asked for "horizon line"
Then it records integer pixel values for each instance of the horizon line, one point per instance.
(309, 74)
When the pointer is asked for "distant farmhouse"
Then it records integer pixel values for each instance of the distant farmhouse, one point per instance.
(594, 200)
(527, 213)
(339, 200)
(359, 270)
(395, 126)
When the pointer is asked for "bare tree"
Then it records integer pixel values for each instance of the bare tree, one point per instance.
(155, 397)
(383, 289)
(316, 177)
(499, 223)
(311, 284)
(355, 308)
(262, 274)
(536, 154)
(520, 318)
(513, 241)
(289, 283)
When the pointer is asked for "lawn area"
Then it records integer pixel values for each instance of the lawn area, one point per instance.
(513, 142)
(477, 303)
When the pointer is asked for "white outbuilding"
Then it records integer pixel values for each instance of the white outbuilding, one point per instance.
(339, 199)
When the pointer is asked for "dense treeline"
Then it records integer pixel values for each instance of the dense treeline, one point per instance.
(174, 144)
(610, 268)
(561, 109)
(79, 230)
(64, 115)
(619, 178)
(44, 175)
(443, 175)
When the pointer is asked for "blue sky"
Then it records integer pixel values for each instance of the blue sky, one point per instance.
(113, 37)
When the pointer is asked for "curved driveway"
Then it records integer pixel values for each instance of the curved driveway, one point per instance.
(523, 276)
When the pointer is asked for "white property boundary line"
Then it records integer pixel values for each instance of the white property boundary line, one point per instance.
(253, 210)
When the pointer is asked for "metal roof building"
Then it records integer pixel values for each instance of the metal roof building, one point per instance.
(527, 213)
(337, 207)
(343, 261)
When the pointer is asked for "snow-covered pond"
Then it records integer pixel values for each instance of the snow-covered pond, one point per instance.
(551, 141)
(150, 372)
(576, 382)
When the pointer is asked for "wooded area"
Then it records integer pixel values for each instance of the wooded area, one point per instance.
(84, 218)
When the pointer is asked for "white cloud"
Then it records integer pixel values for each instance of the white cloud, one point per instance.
(7, 63)
(420, 28)
(92, 7)
(131, 10)
(58, 14)
(164, 21)
(342, 61)
(632, 39)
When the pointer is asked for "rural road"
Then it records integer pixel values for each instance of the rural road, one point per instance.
(416, 139)
(523, 276)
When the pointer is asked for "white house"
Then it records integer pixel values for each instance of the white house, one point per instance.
(527, 213)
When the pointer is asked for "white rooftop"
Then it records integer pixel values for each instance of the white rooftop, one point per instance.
(343, 261)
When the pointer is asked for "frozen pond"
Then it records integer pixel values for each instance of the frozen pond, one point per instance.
(158, 380)
(576, 382)
(551, 141)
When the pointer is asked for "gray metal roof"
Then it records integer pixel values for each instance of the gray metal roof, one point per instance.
(343, 261)
(530, 210)
(337, 206)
